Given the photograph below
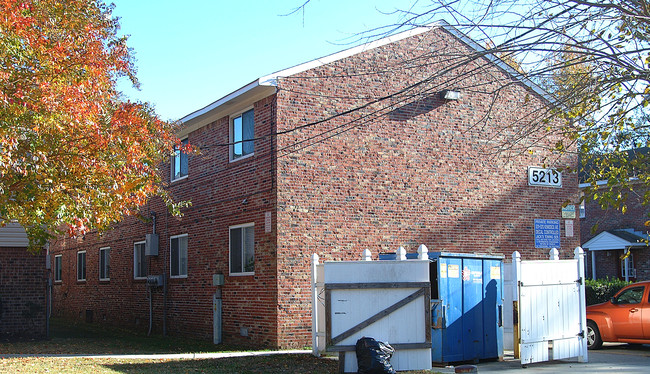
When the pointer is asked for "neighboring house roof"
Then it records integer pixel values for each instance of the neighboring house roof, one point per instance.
(616, 239)
(587, 167)
(13, 235)
(266, 85)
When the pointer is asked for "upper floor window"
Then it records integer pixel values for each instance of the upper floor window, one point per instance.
(242, 249)
(104, 262)
(57, 268)
(81, 266)
(242, 131)
(139, 262)
(179, 162)
(178, 256)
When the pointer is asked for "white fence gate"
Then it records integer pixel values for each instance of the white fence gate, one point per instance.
(385, 300)
(550, 298)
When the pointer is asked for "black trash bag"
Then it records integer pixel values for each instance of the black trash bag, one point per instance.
(373, 357)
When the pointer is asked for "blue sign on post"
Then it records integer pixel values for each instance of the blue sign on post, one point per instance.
(547, 233)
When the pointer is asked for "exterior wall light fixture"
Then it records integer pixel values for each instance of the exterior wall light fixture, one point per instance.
(450, 95)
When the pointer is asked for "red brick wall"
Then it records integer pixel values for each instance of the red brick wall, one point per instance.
(23, 284)
(404, 171)
(217, 189)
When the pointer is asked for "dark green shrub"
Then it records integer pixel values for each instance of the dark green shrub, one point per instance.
(601, 290)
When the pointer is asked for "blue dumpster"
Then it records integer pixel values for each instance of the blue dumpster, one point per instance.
(466, 307)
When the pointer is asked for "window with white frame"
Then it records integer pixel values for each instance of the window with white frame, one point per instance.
(81, 265)
(58, 268)
(179, 163)
(178, 256)
(104, 263)
(242, 249)
(242, 131)
(139, 262)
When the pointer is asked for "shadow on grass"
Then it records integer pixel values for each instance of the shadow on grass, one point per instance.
(79, 338)
(255, 364)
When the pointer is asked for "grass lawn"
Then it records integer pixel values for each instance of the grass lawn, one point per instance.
(91, 339)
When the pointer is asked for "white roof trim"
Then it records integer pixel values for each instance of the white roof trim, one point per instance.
(611, 242)
(221, 101)
(271, 79)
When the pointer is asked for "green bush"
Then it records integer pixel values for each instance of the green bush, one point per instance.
(601, 290)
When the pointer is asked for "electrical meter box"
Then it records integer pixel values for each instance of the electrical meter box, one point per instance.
(155, 280)
(151, 245)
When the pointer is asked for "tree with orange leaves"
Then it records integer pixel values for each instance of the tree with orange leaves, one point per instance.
(74, 156)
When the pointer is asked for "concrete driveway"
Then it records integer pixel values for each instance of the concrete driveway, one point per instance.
(612, 358)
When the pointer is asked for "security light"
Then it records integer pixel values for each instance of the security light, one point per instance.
(450, 95)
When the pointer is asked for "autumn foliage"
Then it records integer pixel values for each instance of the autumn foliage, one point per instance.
(73, 154)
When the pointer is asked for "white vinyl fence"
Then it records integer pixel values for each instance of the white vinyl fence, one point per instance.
(386, 300)
(546, 314)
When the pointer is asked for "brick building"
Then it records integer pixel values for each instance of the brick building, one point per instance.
(356, 150)
(23, 281)
(616, 232)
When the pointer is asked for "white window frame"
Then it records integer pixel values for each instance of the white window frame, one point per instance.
(171, 270)
(85, 261)
(107, 263)
(135, 261)
(178, 154)
(242, 226)
(232, 135)
(58, 269)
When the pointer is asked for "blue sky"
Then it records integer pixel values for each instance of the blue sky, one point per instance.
(191, 53)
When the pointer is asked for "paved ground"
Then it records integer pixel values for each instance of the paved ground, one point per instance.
(613, 358)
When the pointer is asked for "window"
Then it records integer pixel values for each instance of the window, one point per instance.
(179, 163)
(178, 256)
(104, 261)
(139, 262)
(582, 209)
(242, 249)
(630, 296)
(57, 268)
(81, 266)
(242, 130)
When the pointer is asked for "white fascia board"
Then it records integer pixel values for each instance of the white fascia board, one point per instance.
(603, 182)
(271, 79)
(606, 242)
(220, 102)
(497, 61)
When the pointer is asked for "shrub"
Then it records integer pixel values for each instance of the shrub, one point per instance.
(601, 290)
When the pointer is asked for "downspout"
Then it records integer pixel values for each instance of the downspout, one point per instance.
(165, 278)
(48, 291)
(149, 287)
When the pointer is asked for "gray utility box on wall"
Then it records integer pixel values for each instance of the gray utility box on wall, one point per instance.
(151, 245)
(155, 280)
